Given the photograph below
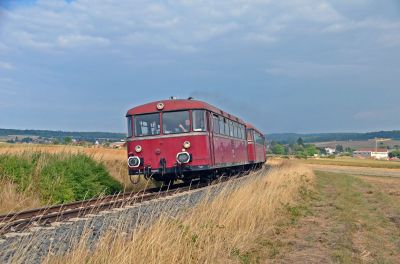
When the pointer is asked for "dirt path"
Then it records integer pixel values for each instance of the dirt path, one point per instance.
(347, 220)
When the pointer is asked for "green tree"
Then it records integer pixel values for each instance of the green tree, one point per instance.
(278, 149)
(322, 150)
(300, 142)
(339, 148)
(311, 150)
(349, 150)
(394, 154)
(67, 140)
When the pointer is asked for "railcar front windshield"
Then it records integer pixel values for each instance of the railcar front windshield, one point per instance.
(199, 120)
(176, 122)
(129, 121)
(147, 125)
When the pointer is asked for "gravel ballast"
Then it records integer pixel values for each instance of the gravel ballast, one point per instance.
(58, 239)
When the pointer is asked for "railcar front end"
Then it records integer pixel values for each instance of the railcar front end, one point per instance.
(168, 142)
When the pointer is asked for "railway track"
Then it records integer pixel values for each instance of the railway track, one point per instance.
(20, 221)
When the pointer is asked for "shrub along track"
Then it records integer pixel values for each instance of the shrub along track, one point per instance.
(20, 221)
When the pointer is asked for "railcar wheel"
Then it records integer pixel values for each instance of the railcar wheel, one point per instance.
(168, 182)
(209, 177)
(187, 180)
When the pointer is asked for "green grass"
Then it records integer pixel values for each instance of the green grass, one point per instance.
(58, 178)
(356, 209)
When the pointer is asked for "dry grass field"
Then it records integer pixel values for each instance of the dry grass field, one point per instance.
(349, 161)
(11, 199)
(113, 159)
(352, 219)
(356, 144)
(296, 212)
(236, 227)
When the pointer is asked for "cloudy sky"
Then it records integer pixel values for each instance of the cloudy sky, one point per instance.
(286, 66)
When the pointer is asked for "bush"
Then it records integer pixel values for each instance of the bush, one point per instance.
(58, 178)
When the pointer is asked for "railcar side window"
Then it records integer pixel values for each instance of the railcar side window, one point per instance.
(147, 125)
(230, 128)
(258, 138)
(261, 140)
(129, 121)
(215, 124)
(199, 120)
(249, 135)
(221, 125)
(176, 122)
(226, 127)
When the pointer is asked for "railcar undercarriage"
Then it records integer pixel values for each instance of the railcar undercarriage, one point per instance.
(190, 173)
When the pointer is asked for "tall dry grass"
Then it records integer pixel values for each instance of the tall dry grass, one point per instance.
(97, 153)
(12, 200)
(231, 228)
(113, 159)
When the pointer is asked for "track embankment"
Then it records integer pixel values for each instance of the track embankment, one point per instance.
(58, 238)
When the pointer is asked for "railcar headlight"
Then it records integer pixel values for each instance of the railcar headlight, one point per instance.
(183, 157)
(186, 144)
(138, 148)
(134, 161)
(160, 106)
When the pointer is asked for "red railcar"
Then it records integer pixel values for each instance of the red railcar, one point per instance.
(186, 139)
(256, 149)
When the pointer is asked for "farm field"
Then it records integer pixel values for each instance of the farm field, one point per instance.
(327, 218)
(349, 219)
(29, 171)
(349, 161)
(357, 144)
(297, 212)
(228, 229)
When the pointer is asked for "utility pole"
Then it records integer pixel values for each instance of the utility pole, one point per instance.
(380, 140)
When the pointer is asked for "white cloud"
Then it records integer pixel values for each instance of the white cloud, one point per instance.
(208, 32)
(313, 69)
(389, 113)
(390, 40)
(77, 40)
(260, 38)
(6, 65)
(366, 24)
(53, 24)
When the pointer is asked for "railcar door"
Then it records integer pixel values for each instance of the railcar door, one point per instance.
(210, 126)
(251, 146)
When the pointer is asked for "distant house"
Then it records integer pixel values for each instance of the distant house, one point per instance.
(372, 153)
(117, 145)
(330, 151)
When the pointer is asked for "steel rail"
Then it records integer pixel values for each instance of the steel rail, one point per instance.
(19, 221)
(79, 204)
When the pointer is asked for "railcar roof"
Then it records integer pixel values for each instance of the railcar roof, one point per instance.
(250, 126)
(179, 104)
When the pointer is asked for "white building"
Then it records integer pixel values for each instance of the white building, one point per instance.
(382, 154)
(330, 151)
